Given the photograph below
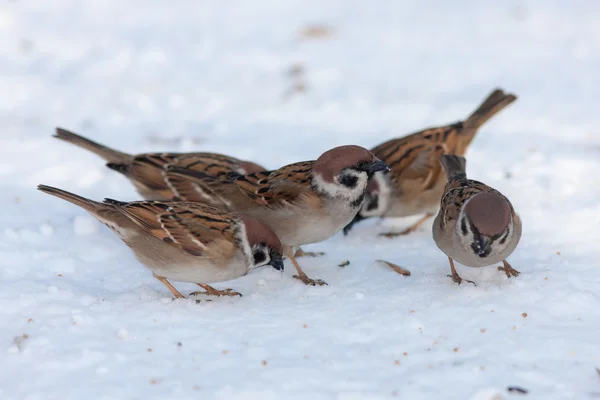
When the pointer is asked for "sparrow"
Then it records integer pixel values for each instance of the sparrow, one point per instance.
(146, 170)
(186, 242)
(305, 202)
(415, 181)
(476, 225)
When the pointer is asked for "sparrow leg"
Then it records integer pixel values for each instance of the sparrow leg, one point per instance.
(211, 291)
(408, 230)
(165, 282)
(301, 275)
(301, 253)
(455, 277)
(508, 270)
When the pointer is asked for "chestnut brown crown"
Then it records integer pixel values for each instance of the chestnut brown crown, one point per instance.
(490, 213)
(333, 161)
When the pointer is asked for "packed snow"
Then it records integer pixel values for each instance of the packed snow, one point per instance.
(279, 82)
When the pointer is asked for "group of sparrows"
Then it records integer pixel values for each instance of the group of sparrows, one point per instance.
(209, 217)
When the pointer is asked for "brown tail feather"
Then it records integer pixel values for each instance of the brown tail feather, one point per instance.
(494, 103)
(86, 204)
(110, 155)
(455, 166)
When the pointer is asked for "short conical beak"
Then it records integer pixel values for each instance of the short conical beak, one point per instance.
(377, 166)
(483, 242)
(277, 263)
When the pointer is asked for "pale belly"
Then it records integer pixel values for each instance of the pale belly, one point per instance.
(172, 263)
(296, 226)
(198, 272)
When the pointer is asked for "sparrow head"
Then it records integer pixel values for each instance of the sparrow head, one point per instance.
(265, 246)
(486, 223)
(344, 171)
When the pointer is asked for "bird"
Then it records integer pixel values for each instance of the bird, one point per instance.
(304, 202)
(476, 225)
(146, 170)
(186, 242)
(415, 181)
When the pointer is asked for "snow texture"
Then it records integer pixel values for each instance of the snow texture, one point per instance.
(80, 318)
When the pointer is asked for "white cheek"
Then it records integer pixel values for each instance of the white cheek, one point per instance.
(245, 245)
(335, 189)
(467, 239)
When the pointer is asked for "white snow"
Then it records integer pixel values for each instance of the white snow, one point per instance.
(81, 319)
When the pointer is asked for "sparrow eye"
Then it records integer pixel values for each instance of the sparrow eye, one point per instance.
(362, 165)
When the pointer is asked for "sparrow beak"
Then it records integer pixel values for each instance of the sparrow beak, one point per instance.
(277, 263)
(483, 244)
(377, 166)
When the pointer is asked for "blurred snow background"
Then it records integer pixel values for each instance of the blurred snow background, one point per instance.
(279, 82)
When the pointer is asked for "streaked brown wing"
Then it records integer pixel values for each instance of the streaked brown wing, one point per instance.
(456, 193)
(243, 192)
(194, 228)
(271, 188)
(148, 170)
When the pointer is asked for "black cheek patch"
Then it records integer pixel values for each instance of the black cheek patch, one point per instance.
(349, 181)
(463, 227)
(259, 257)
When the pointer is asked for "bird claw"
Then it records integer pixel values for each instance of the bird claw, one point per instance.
(218, 293)
(308, 281)
(301, 253)
(509, 271)
(457, 279)
(413, 228)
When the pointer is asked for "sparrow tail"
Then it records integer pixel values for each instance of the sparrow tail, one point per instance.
(455, 166)
(111, 156)
(493, 104)
(86, 204)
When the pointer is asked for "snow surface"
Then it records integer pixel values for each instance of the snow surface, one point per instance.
(81, 319)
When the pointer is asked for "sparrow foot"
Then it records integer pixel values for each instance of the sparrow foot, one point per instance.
(218, 293)
(456, 278)
(302, 253)
(408, 230)
(301, 275)
(211, 291)
(508, 270)
(171, 288)
(309, 281)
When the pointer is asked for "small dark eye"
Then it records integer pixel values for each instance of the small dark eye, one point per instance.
(263, 244)
(362, 165)
(259, 257)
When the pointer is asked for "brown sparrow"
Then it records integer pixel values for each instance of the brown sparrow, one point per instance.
(476, 225)
(186, 242)
(146, 171)
(305, 202)
(415, 181)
